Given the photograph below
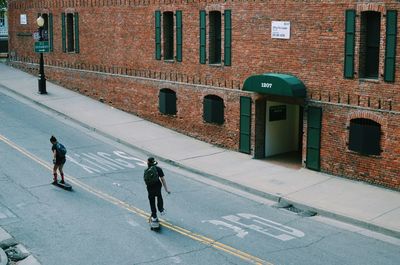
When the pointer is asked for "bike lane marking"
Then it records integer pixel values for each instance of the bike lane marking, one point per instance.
(197, 237)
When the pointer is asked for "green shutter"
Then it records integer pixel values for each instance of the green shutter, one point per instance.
(51, 32)
(167, 102)
(245, 125)
(202, 36)
(313, 138)
(158, 34)
(390, 52)
(179, 36)
(162, 101)
(207, 109)
(227, 38)
(349, 43)
(63, 33)
(218, 111)
(76, 23)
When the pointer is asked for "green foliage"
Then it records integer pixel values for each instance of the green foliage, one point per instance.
(3, 3)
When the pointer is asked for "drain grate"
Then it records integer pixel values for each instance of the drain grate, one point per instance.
(294, 209)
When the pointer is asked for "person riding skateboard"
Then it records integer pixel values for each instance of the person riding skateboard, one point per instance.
(154, 179)
(58, 159)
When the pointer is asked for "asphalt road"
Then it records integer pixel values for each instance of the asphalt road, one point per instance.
(104, 219)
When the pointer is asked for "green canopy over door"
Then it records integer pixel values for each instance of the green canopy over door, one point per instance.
(276, 84)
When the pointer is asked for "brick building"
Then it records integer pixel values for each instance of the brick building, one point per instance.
(319, 78)
(3, 32)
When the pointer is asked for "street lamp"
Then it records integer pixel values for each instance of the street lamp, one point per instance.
(42, 78)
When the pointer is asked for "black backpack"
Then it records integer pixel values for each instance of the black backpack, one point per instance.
(61, 150)
(151, 175)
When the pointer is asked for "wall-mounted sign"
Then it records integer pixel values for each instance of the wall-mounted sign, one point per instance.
(280, 29)
(23, 19)
(277, 113)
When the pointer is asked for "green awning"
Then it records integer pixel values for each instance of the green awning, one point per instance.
(275, 84)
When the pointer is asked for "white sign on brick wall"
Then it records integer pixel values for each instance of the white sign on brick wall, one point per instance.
(23, 19)
(280, 29)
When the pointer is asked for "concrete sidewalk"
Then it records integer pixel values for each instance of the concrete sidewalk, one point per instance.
(355, 202)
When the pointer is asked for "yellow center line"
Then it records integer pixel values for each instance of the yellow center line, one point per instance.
(202, 239)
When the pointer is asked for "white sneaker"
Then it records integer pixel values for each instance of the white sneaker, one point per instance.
(154, 219)
(163, 212)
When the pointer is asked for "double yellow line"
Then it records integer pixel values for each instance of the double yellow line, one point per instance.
(202, 239)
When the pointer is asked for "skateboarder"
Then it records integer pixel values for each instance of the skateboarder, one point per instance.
(59, 152)
(154, 179)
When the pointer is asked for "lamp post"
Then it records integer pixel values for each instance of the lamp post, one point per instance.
(42, 78)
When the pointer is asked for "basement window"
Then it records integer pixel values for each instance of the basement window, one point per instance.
(167, 101)
(213, 109)
(365, 136)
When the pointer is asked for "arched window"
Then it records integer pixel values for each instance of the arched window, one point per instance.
(213, 109)
(365, 136)
(167, 101)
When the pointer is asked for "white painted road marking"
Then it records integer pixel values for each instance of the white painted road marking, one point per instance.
(259, 224)
(240, 232)
(101, 162)
(197, 237)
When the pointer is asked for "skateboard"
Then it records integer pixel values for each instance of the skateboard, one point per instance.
(64, 186)
(154, 226)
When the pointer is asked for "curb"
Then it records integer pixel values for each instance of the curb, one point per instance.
(269, 196)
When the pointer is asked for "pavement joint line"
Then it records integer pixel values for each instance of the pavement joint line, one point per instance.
(270, 196)
(102, 195)
(382, 214)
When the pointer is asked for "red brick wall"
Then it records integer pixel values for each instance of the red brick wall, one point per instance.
(117, 37)
(336, 158)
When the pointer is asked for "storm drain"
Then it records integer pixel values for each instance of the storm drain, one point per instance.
(292, 208)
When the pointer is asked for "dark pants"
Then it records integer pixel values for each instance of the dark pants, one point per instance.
(153, 193)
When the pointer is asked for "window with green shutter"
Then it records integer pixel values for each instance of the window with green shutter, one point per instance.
(167, 101)
(168, 35)
(390, 51)
(202, 36)
(227, 37)
(370, 32)
(214, 38)
(349, 45)
(213, 109)
(365, 136)
(47, 33)
(158, 34)
(179, 36)
(70, 33)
